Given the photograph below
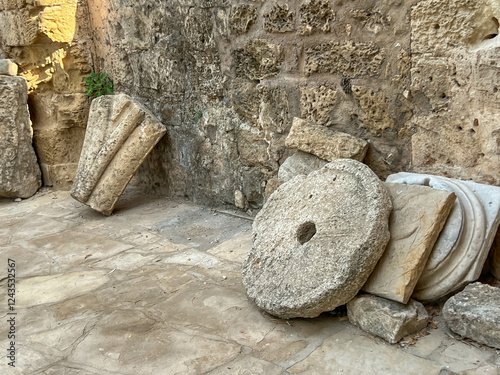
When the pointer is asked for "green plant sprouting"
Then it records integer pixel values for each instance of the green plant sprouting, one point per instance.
(98, 84)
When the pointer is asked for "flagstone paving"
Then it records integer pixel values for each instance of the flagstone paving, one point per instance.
(156, 289)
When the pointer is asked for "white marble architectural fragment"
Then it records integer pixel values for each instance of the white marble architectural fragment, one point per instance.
(461, 250)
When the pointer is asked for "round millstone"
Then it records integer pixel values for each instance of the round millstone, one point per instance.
(317, 239)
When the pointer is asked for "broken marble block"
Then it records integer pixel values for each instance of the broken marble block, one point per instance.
(120, 134)
(325, 143)
(20, 175)
(475, 313)
(299, 163)
(317, 239)
(418, 216)
(387, 319)
(8, 67)
(462, 247)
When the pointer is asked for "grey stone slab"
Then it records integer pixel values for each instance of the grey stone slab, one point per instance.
(475, 313)
(299, 163)
(348, 353)
(317, 239)
(41, 290)
(462, 248)
(161, 350)
(387, 319)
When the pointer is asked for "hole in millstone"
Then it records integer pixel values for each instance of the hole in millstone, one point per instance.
(305, 232)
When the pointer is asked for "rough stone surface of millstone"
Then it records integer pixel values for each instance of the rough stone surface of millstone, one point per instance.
(317, 239)
(387, 319)
(475, 313)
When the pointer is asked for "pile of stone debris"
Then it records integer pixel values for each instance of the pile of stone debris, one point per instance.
(333, 234)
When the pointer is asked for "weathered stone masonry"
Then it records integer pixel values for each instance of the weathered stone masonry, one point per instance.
(417, 79)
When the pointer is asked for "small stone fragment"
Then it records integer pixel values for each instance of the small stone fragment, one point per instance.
(387, 319)
(19, 171)
(317, 239)
(418, 216)
(239, 199)
(299, 163)
(120, 134)
(474, 313)
(325, 143)
(8, 67)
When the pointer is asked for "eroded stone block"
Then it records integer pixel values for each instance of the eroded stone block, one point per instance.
(317, 103)
(279, 19)
(387, 319)
(438, 27)
(462, 248)
(325, 143)
(19, 27)
(317, 239)
(375, 107)
(120, 134)
(299, 163)
(259, 59)
(242, 16)
(350, 59)
(419, 213)
(316, 15)
(19, 171)
(474, 313)
(8, 67)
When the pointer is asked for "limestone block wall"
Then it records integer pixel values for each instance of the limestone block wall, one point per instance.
(49, 40)
(418, 79)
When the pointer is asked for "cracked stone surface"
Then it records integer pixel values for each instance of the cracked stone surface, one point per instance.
(156, 289)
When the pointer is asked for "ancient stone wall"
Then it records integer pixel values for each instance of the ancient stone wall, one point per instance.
(418, 79)
(228, 77)
(49, 40)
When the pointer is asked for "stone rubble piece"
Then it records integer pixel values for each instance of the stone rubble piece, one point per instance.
(317, 239)
(474, 313)
(462, 247)
(387, 319)
(8, 67)
(299, 163)
(325, 143)
(20, 175)
(120, 134)
(418, 216)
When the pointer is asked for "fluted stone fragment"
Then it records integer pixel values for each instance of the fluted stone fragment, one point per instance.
(120, 134)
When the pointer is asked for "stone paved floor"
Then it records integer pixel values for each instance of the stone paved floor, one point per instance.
(155, 289)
